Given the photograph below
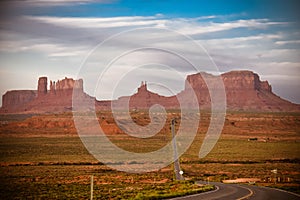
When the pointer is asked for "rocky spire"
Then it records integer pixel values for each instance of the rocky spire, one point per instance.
(42, 86)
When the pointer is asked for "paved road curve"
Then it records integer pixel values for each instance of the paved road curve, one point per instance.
(241, 192)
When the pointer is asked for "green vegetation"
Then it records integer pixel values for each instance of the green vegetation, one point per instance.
(174, 189)
(73, 181)
(46, 163)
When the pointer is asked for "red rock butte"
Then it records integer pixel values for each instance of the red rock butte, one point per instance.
(244, 92)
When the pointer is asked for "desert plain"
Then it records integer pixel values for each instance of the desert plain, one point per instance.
(42, 156)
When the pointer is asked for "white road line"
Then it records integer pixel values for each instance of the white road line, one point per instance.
(248, 195)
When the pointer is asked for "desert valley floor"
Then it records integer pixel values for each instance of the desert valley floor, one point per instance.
(43, 157)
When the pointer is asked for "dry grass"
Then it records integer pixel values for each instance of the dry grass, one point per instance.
(42, 161)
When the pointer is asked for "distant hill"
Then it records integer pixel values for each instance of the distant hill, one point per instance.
(244, 92)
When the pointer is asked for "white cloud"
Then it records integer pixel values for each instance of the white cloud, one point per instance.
(283, 55)
(110, 22)
(193, 29)
(50, 49)
(285, 67)
(188, 26)
(70, 38)
(239, 42)
(245, 39)
(287, 42)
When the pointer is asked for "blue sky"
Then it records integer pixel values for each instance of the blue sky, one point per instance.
(55, 39)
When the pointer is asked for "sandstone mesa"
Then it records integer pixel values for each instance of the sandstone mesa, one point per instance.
(244, 92)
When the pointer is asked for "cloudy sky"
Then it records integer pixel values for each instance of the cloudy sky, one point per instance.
(114, 45)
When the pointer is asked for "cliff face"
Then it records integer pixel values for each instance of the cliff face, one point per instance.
(244, 92)
(15, 100)
(245, 80)
(57, 99)
(234, 80)
(66, 84)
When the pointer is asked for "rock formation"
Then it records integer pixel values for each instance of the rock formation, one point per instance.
(57, 99)
(68, 84)
(144, 99)
(244, 92)
(42, 86)
(15, 100)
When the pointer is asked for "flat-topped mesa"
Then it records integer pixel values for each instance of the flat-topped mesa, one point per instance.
(244, 92)
(241, 80)
(58, 98)
(14, 101)
(234, 80)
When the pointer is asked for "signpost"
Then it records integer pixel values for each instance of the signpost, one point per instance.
(275, 172)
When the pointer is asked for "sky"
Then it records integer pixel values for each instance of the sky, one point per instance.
(114, 45)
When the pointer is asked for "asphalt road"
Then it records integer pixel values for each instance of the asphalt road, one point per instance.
(241, 192)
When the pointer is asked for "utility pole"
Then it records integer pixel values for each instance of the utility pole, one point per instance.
(178, 172)
(92, 186)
